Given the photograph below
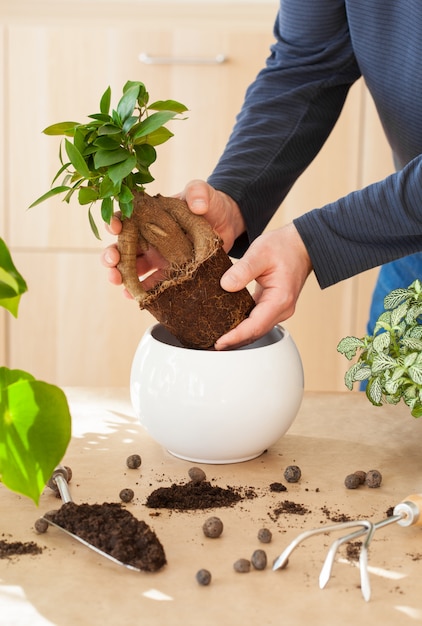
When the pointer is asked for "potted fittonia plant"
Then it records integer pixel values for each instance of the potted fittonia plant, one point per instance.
(108, 161)
(390, 360)
(35, 422)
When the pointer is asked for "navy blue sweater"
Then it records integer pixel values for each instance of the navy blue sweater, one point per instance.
(322, 47)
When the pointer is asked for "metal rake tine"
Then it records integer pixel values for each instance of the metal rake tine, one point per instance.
(325, 574)
(282, 559)
(369, 530)
(365, 584)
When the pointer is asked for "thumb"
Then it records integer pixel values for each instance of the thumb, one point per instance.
(238, 276)
(197, 196)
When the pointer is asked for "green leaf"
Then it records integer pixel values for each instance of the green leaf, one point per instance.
(109, 129)
(126, 208)
(168, 105)
(145, 155)
(93, 224)
(108, 188)
(105, 101)
(119, 171)
(349, 345)
(383, 362)
(152, 123)
(349, 377)
(412, 343)
(77, 160)
(107, 209)
(417, 409)
(128, 102)
(107, 142)
(399, 313)
(87, 195)
(35, 430)
(53, 192)
(125, 195)
(396, 297)
(410, 359)
(12, 284)
(374, 391)
(157, 137)
(381, 342)
(62, 128)
(104, 158)
(415, 373)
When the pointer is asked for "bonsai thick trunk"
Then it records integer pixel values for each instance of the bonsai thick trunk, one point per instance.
(189, 301)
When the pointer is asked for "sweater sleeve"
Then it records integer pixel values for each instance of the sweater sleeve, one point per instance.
(288, 112)
(367, 228)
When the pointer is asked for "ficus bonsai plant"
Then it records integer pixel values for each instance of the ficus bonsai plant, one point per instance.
(108, 160)
(390, 360)
(35, 421)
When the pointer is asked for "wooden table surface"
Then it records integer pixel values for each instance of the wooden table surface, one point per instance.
(332, 436)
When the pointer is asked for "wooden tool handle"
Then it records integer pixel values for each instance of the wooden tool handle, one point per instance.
(411, 509)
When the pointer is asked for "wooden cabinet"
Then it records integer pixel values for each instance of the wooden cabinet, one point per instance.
(73, 327)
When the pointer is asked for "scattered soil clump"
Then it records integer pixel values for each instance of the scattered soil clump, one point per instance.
(194, 495)
(353, 550)
(278, 487)
(335, 517)
(289, 508)
(18, 548)
(114, 530)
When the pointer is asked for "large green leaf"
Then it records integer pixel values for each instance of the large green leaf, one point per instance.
(77, 160)
(168, 105)
(104, 158)
(62, 128)
(152, 123)
(35, 430)
(12, 284)
(127, 102)
(105, 101)
(119, 171)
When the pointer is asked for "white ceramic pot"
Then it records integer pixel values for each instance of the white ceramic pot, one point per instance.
(216, 407)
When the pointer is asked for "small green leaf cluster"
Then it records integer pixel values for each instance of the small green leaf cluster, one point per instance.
(390, 360)
(111, 155)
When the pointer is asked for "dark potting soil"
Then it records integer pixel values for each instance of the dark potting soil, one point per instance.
(288, 507)
(17, 548)
(195, 495)
(114, 530)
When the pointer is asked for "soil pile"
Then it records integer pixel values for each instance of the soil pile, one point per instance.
(194, 495)
(17, 548)
(114, 530)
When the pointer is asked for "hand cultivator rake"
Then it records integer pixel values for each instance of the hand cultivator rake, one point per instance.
(406, 513)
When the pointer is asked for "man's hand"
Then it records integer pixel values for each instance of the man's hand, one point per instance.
(279, 263)
(218, 208)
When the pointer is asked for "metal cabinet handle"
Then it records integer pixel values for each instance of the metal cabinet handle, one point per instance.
(147, 59)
